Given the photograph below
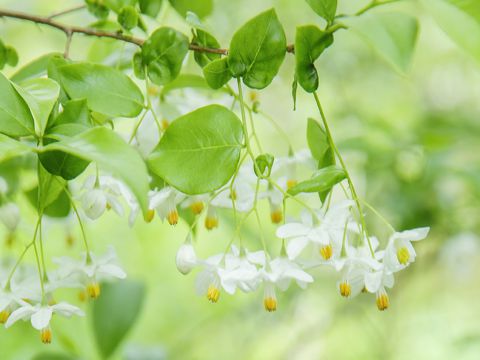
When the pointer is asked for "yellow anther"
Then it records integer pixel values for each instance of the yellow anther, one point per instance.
(345, 289)
(4, 315)
(326, 252)
(70, 240)
(197, 207)
(291, 183)
(82, 296)
(165, 124)
(403, 255)
(108, 206)
(172, 217)
(93, 290)
(152, 90)
(46, 336)
(382, 301)
(211, 222)
(213, 293)
(149, 215)
(233, 194)
(253, 96)
(270, 304)
(276, 216)
(10, 239)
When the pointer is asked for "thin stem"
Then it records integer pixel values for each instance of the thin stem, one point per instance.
(67, 11)
(137, 125)
(67, 45)
(39, 269)
(380, 216)
(372, 5)
(349, 179)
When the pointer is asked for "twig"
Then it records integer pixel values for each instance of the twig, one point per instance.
(67, 11)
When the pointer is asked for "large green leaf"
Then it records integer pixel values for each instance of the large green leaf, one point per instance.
(15, 116)
(257, 50)
(199, 151)
(115, 312)
(107, 90)
(310, 42)
(460, 19)
(112, 154)
(217, 73)
(40, 95)
(10, 148)
(324, 8)
(322, 181)
(392, 35)
(200, 7)
(33, 69)
(163, 54)
(150, 7)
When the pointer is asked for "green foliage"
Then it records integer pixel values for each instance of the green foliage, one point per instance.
(217, 73)
(392, 35)
(257, 50)
(263, 165)
(163, 54)
(205, 39)
(115, 312)
(200, 7)
(310, 42)
(10, 148)
(199, 151)
(15, 117)
(319, 145)
(324, 8)
(107, 90)
(112, 154)
(321, 181)
(150, 7)
(118, 5)
(97, 9)
(8, 55)
(34, 69)
(128, 17)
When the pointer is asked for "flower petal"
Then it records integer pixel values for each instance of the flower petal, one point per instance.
(41, 318)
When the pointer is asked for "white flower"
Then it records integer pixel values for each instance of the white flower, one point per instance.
(285, 168)
(186, 258)
(40, 316)
(9, 300)
(195, 202)
(101, 195)
(165, 203)
(242, 194)
(400, 252)
(10, 216)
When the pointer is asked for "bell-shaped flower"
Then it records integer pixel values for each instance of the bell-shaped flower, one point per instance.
(186, 258)
(101, 194)
(196, 203)
(242, 193)
(399, 252)
(165, 203)
(284, 169)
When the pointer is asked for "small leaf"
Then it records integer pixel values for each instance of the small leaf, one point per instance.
(319, 145)
(200, 7)
(115, 312)
(264, 164)
(163, 54)
(107, 90)
(150, 7)
(294, 92)
(206, 40)
(310, 42)
(97, 9)
(324, 8)
(322, 181)
(199, 151)
(15, 116)
(11, 148)
(112, 154)
(128, 17)
(257, 50)
(217, 73)
(34, 69)
(392, 35)
(11, 56)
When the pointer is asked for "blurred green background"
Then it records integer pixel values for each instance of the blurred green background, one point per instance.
(412, 142)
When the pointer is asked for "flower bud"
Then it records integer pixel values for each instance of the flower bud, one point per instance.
(186, 258)
(94, 203)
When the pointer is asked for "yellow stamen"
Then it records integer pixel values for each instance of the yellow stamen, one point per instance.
(345, 289)
(213, 293)
(4, 315)
(82, 296)
(10, 239)
(211, 222)
(149, 215)
(270, 304)
(326, 252)
(197, 207)
(276, 216)
(233, 195)
(93, 290)
(403, 255)
(172, 217)
(46, 336)
(382, 301)
(291, 183)
(152, 90)
(253, 96)
(165, 124)
(108, 206)
(70, 240)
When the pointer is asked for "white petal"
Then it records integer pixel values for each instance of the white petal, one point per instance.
(111, 270)
(21, 313)
(67, 310)
(41, 318)
(295, 246)
(292, 230)
(373, 281)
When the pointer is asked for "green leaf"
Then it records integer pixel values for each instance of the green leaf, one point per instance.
(150, 7)
(117, 5)
(11, 56)
(59, 207)
(257, 50)
(324, 8)
(458, 18)
(40, 95)
(310, 42)
(50, 189)
(163, 54)
(97, 9)
(322, 181)
(34, 69)
(115, 312)
(264, 164)
(319, 145)
(199, 151)
(11, 148)
(204, 39)
(217, 73)
(200, 7)
(112, 154)
(15, 116)
(128, 17)
(392, 35)
(294, 92)
(107, 90)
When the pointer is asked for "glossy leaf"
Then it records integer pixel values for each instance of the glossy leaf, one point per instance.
(263, 165)
(33, 69)
(392, 35)
(205, 39)
(322, 181)
(112, 154)
(15, 116)
(217, 73)
(107, 90)
(310, 42)
(199, 151)
(115, 312)
(150, 7)
(200, 7)
(324, 8)
(128, 17)
(257, 50)
(11, 148)
(117, 5)
(319, 145)
(163, 54)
